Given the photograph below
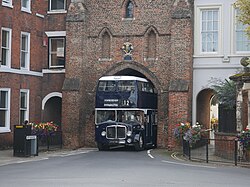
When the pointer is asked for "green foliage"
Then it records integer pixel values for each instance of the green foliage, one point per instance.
(244, 138)
(225, 92)
(244, 17)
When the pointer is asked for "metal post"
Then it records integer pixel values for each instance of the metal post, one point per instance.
(235, 152)
(189, 151)
(207, 150)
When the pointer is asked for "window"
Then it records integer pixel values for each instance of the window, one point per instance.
(24, 106)
(25, 50)
(105, 46)
(56, 5)
(4, 110)
(107, 86)
(129, 10)
(7, 3)
(126, 85)
(242, 42)
(56, 52)
(6, 47)
(26, 4)
(209, 30)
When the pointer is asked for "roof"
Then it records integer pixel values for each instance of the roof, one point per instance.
(123, 78)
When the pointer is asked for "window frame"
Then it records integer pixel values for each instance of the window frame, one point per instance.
(26, 9)
(26, 51)
(8, 62)
(50, 53)
(198, 29)
(6, 128)
(234, 35)
(7, 4)
(50, 10)
(26, 110)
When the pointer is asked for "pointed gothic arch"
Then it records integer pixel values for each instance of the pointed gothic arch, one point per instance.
(105, 37)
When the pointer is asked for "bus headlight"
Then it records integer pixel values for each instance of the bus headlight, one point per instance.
(129, 133)
(129, 140)
(103, 133)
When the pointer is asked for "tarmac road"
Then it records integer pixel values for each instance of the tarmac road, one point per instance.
(117, 168)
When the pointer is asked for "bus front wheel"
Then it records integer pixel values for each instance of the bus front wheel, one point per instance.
(101, 147)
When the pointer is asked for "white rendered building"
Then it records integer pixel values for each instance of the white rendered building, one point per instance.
(219, 44)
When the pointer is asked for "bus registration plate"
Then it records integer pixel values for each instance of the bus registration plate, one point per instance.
(117, 141)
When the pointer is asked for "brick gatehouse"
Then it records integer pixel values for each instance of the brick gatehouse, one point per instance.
(161, 33)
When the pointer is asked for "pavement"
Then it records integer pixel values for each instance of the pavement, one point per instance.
(6, 156)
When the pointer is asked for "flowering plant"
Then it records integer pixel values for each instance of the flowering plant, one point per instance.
(181, 129)
(244, 138)
(44, 129)
(191, 134)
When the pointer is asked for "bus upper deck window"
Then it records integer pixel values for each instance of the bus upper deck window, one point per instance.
(106, 86)
(126, 85)
(101, 86)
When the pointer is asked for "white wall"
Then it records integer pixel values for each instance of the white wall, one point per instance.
(223, 64)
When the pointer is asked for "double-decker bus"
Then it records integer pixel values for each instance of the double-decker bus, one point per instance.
(125, 112)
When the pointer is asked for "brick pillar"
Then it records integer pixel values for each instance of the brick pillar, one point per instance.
(73, 88)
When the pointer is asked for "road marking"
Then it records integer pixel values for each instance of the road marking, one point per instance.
(173, 155)
(191, 165)
(25, 161)
(149, 153)
(73, 153)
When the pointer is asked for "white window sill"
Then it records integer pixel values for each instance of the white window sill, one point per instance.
(39, 15)
(4, 67)
(20, 71)
(240, 54)
(7, 5)
(4, 130)
(150, 59)
(208, 56)
(57, 11)
(104, 59)
(53, 71)
(26, 11)
(128, 19)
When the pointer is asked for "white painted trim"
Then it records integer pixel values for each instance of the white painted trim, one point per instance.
(57, 12)
(50, 95)
(7, 127)
(108, 78)
(10, 46)
(197, 28)
(27, 66)
(9, 5)
(39, 15)
(55, 33)
(20, 71)
(208, 56)
(53, 71)
(28, 9)
(27, 91)
(233, 35)
(221, 66)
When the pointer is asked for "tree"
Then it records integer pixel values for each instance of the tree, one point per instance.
(225, 92)
(244, 16)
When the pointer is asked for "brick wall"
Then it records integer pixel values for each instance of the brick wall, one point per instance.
(173, 63)
(39, 85)
(225, 145)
